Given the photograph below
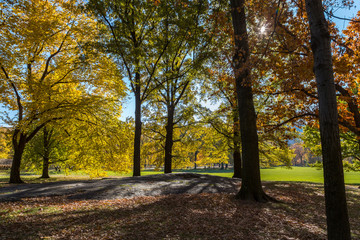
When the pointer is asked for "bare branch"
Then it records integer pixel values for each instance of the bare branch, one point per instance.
(292, 119)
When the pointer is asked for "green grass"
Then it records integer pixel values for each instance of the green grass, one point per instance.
(303, 174)
(32, 177)
(295, 174)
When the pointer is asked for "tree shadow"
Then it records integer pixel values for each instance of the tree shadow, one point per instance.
(195, 216)
(150, 185)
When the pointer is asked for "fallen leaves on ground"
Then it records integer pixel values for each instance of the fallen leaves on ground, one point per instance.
(299, 215)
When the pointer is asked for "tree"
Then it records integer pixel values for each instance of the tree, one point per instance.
(43, 150)
(225, 120)
(335, 199)
(260, 15)
(187, 51)
(48, 71)
(251, 184)
(133, 38)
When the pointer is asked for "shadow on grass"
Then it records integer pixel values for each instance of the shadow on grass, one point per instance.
(149, 185)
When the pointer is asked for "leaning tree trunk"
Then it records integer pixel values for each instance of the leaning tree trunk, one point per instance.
(335, 198)
(137, 138)
(19, 147)
(169, 140)
(236, 142)
(251, 188)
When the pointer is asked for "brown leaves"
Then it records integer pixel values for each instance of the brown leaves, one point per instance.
(300, 215)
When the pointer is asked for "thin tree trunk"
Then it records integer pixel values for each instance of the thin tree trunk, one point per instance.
(335, 199)
(236, 142)
(251, 188)
(19, 147)
(137, 139)
(169, 140)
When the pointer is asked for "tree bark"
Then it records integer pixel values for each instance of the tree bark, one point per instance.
(45, 170)
(236, 142)
(19, 147)
(335, 198)
(195, 159)
(169, 140)
(137, 138)
(251, 188)
(46, 157)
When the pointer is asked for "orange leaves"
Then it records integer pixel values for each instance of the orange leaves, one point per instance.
(156, 2)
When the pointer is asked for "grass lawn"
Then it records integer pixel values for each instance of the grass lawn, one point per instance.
(295, 174)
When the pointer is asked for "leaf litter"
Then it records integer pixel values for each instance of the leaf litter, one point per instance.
(300, 214)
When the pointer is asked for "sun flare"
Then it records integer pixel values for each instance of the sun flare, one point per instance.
(262, 29)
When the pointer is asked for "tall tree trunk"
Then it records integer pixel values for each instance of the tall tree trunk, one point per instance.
(335, 198)
(47, 139)
(236, 142)
(251, 188)
(137, 139)
(45, 169)
(169, 139)
(195, 159)
(19, 147)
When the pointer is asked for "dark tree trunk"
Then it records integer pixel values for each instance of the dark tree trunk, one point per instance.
(251, 188)
(19, 146)
(335, 198)
(236, 142)
(47, 139)
(237, 163)
(169, 139)
(137, 139)
(45, 170)
(195, 159)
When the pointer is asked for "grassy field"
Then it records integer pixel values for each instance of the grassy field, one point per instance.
(295, 174)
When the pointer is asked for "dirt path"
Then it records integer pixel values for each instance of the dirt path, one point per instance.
(151, 185)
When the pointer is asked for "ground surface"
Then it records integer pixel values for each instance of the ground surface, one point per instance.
(151, 185)
(176, 206)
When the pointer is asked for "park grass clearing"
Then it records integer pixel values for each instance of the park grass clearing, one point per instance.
(30, 177)
(294, 174)
(299, 215)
